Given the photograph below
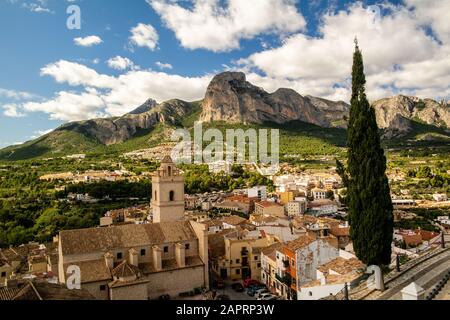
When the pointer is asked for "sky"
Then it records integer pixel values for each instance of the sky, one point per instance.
(58, 66)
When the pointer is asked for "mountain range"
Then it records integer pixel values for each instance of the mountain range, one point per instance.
(231, 99)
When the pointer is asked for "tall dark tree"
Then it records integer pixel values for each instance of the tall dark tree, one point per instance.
(368, 195)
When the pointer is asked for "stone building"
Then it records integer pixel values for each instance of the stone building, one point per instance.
(269, 209)
(146, 261)
(237, 253)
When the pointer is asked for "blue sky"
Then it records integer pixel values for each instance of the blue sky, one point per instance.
(128, 51)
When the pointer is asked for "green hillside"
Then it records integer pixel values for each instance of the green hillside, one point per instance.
(55, 144)
(297, 139)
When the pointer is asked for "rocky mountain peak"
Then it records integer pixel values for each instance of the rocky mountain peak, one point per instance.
(230, 97)
(145, 107)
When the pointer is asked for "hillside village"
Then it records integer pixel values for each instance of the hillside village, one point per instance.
(294, 240)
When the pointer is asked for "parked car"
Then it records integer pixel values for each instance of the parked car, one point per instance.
(249, 282)
(260, 292)
(238, 287)
(251, 290)
(267, 296)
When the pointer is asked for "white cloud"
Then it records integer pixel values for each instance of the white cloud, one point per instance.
(16, 95)
(210, 25)
(121, 63)
(70, 106)
(400, 57)
(162, 65)
(435, 14)
(76, 74)
(88, 41)
(144, 35)
(12, 110)
(39, 7)
(106, 95)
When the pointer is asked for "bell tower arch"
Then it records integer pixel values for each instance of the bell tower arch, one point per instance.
(168, 193)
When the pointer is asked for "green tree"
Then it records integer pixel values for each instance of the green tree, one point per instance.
(369, 201)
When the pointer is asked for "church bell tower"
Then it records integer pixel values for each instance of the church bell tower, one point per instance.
(167, 193)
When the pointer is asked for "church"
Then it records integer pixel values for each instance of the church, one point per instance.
(140, 262)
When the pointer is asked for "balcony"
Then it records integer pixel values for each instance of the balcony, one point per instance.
(244, 252)
(286, 279)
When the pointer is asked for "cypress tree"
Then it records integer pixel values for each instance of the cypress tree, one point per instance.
(368, 195)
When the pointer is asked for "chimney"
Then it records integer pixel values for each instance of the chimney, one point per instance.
(180, 255)
(109, 260)
(157, 258)
(134, 259)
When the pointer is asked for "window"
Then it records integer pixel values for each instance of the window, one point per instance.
(256, 257)
(238, 271)
(166, 249)
(3, 274)
(156, 195)
(308, 270)
(142, 252)
(171, 196)
(102, 287)
(119, 255)
(259, 265)
(293, 263)
(187, 246)
(238, 260)
(310, 294)
(169, 169)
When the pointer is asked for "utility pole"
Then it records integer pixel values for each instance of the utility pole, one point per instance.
(442, 240)
(397, 262)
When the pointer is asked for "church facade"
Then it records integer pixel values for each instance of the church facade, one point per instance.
(140, 262)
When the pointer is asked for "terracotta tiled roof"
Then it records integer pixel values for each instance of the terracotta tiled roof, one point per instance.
(263, 219)
(42, 290)
(300, 242)
(412, 239)
(268, 204)
(125, 270)
(234, 220)
(125, 236)
(7, 294)
(271, 250)
(334, 279)
(427, 235)
(92, 271)
(118, 283)
(340, 232)
(342, 266)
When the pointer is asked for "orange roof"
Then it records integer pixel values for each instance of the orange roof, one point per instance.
(300, 242)
(340, 232)
(267, 204)
(342, 266)
(412, 239)
(427, 235)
